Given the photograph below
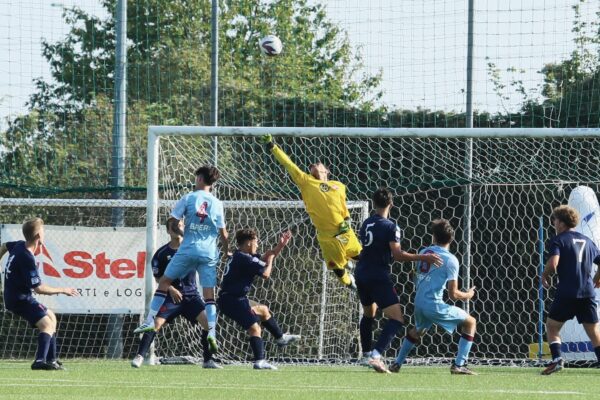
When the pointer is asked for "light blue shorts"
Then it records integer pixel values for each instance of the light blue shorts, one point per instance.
(444, 315)
(182, 264)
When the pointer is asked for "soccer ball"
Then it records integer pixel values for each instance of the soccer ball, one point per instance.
(270, 45)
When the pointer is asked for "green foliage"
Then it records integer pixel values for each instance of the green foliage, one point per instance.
(64, 141)
(569, 93)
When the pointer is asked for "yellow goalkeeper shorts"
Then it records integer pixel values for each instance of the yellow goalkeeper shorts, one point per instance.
(337, 250)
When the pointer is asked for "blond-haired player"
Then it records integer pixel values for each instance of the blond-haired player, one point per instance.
(325, 202)
(571, 257)
(22, 279)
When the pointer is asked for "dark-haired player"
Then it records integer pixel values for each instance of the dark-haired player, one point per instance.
(21, 278)
(571, 257)
(204, 220)
(182, 299)
(380, 238)
(243, 266)
(325, 203)
(429, 305)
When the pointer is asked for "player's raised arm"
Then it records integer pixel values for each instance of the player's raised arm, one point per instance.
(271, 254)
(283, 241)
(298, 176)
(268, 259)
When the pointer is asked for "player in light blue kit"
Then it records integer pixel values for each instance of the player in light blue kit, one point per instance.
(430, 307)
(204, 222)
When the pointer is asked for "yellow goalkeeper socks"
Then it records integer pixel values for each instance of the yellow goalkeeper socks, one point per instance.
(345, 279)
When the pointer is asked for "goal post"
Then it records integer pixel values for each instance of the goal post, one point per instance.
(516, 176)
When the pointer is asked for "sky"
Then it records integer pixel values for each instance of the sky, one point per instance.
(419, 45)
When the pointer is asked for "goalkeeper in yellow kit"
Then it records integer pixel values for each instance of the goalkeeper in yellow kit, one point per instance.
(325, 203)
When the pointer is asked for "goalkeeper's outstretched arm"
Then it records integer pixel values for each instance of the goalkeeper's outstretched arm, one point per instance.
(298, 176)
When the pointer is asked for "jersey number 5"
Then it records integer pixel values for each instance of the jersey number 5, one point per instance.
(369, 235)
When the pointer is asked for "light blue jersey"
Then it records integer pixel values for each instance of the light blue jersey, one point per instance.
(203, 217)
(431, 281)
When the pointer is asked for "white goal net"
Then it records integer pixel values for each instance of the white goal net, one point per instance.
(509, 183)
(493, 186)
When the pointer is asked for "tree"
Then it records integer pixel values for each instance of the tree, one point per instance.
(569, 94)
(66, 133)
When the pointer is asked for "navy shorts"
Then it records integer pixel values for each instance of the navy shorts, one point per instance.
(189, 308)
(378, 291)
(31, 310)
(238, 309)
(563, 310)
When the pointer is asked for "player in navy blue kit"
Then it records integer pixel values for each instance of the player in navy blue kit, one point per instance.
(571, 255)
(380, 238)
(243, 266)
(21, 279)
(182, 299)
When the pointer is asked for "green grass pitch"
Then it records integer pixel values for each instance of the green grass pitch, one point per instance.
(117, 380)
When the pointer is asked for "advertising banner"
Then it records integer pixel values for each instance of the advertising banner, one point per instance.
(106, 265)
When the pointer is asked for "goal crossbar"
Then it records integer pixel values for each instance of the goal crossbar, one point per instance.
(456, 133)
(472, 177)
(110, 203)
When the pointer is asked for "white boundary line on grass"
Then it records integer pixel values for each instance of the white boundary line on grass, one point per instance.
(137, 385)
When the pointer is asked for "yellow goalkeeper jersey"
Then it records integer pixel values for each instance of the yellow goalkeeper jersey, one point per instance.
(325, 202)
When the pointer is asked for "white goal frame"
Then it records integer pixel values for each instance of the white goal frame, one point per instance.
(156, 132)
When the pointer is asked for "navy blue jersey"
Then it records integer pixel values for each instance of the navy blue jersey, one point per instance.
(240, 272)
(21, 274)
(577, 254)
(187, 285)
(375, 234)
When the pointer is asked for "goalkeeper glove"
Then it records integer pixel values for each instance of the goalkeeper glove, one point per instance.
(267, 140)
(344, 226)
